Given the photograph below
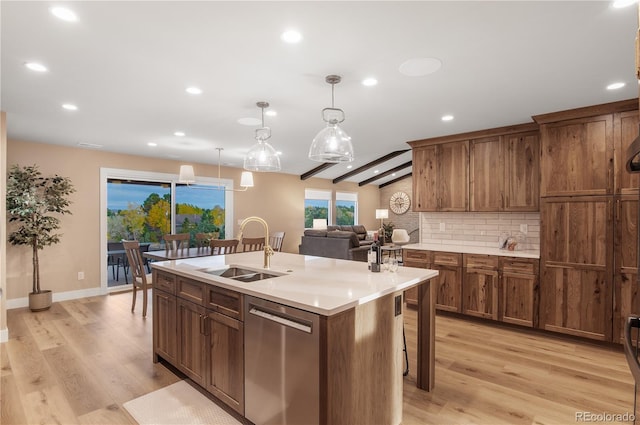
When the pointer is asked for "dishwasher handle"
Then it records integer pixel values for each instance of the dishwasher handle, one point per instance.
(281, 318)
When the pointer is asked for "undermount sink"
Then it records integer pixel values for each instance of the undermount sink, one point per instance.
(241, 274)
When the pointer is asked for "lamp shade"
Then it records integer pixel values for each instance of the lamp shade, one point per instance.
(331, 144)
(246, 179)
(319, 223)
(186, 174)
(382, 213)
(262, 157)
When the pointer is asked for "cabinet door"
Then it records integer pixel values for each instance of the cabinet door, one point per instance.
(577, 259)
(448, 286)
(226, 356)
(192, 333)
(480, 293)
(164, 326)
(415, 258)
(626, 300)
(577, 157)
(518, 292)
(486, 170)
(425, 179)
(522, 171)
(625, 131)
(453, 176)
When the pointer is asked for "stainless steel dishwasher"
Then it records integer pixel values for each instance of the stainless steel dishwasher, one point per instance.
(281, 358)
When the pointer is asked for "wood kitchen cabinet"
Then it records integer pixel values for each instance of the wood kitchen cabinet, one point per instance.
(504, 170)
(164, 317)
(480, 286)
(519, 291)
(449, 280)
(441, 177)
(626, 300)
(199, 329)
(576, 262)
(415, 258)
(582, 150)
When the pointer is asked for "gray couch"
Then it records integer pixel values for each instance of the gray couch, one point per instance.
(339, 244)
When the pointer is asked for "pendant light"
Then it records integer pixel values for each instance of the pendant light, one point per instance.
(262, 156)
(187, 176)
(332, 144)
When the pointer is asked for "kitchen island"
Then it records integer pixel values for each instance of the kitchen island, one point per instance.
(212, 317)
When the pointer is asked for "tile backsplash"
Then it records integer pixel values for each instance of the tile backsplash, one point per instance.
(479, 229)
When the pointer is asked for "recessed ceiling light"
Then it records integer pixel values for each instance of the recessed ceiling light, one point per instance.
(418, 67)
(64, 14)
(250, 121)
(615, 86)
(35, 66)
(447, 118)
(393, 174)
(291, 36)
(179, 133)
(271, 113)
(69, 106)
(376, 171)
(369, 82)
(349, 167)
(618, 4)
(193, 90)
(152, 144)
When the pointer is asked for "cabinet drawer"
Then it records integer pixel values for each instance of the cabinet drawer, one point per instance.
(415, 256)
(520, 266)
(447, 258)
(164, 282)
(480, 261)
(190, 290)
(224, 301)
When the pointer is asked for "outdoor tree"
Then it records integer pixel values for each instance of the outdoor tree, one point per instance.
(133, 219)
(159, 216)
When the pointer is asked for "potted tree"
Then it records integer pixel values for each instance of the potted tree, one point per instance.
(33, 201)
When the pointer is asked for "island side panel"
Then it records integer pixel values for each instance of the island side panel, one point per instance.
(426, 363)
(363, 363)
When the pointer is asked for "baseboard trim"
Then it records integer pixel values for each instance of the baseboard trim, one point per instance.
(61, 296)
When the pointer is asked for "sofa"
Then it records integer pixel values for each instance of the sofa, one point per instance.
(340, 244)
(358, 229)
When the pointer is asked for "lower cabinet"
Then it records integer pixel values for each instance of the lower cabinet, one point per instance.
(492, 287)
(480, 287)
(198, 328)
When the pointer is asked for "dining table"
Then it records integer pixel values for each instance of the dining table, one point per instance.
(179, 254)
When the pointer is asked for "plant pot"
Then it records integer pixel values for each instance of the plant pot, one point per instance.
(40, 301)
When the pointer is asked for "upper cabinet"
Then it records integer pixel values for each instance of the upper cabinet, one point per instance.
(582, 150)
(488, 170)
(441, 177)
(504, 172)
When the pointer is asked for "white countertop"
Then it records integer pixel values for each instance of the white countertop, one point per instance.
(464, 249)
(321, 285)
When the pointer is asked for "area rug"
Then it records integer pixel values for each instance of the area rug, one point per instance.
(178, 403)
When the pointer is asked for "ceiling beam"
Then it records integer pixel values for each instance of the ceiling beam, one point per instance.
(394, 180)
(385, 174)
(369, 165)
(316, 170)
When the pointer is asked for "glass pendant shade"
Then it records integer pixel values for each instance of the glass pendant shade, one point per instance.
(331, 144)
(262, 157)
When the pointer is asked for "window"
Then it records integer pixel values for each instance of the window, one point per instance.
(346, 208)
(317, 204)
(199, 211)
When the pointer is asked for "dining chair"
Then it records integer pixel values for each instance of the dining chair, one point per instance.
(139, 278)
(176, 242)
(223, 246)
(117, 258)
(203, 239)
(275, 240)
(252, 244)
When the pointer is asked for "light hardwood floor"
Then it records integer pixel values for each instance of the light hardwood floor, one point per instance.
(80, 361)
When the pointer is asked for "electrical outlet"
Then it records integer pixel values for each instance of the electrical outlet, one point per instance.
(523, 228)
(80, 275)
(442, 227)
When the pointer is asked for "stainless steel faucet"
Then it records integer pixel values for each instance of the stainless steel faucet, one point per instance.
(268, 251)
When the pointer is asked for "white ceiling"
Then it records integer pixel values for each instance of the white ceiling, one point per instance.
(127, 64)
